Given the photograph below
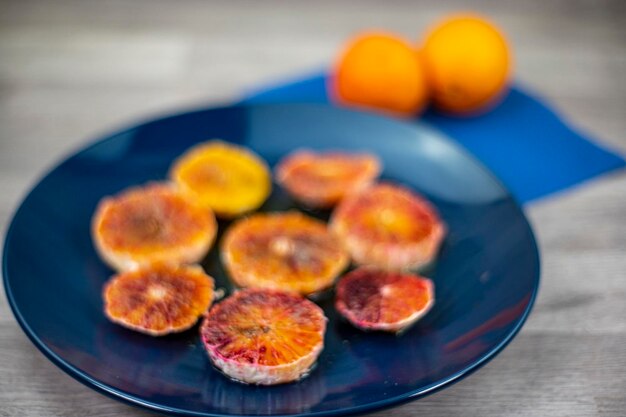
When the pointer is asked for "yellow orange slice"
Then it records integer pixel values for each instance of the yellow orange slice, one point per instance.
(264, 337)
(229, 179)
(389, 227)
(158, 299)
(380, 300)
(322, 179)
(287, 251)
(154, 223)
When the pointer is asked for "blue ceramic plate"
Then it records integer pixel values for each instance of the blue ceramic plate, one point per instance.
(486, 277)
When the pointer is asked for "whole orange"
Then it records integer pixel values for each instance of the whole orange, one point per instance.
(468, 64)
(381, 71)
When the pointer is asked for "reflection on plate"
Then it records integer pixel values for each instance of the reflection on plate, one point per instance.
(486, 276)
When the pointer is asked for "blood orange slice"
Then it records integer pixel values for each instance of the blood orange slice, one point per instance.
(154, 223)
(382, 300)
(229, 179)
(389, 227)
(323, 179)
(158, 299)
(288, 251)
(264, 337)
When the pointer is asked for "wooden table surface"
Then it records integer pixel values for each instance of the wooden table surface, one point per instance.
(72, 70)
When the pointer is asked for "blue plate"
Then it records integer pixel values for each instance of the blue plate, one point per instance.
(486, 276)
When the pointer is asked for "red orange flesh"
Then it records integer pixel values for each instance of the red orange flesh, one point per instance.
(380, 300)
(158, 299)
(153, 223)
(323, 179)
(264, 337)
(288, 251)
(389, 227)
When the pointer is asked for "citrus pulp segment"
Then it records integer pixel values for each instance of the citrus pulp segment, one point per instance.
(286, 250)
(153, 223)
(263, 336)
(388, 226)
(158, 299)
(323, 179)
(228, 179)
(382, 300)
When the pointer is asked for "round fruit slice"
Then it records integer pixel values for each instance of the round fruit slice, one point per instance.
(154, 223)
(389, 227)
(288, 251)
(229, 179)
(263, 336)
(382, 300)
(158, 299)
(322, 179)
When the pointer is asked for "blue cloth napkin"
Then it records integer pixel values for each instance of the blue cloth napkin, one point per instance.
(522, 140)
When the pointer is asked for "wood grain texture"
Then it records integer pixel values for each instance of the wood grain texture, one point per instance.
(73, 70)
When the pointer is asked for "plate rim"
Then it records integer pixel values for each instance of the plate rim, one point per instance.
(129, 399)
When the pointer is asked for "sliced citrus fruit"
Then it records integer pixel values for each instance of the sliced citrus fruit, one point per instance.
(154, 223)
(388, 226)
(322, 179)
(158, 299)
(287, 251)
(263, 336)
(383, 300)
(229, 179)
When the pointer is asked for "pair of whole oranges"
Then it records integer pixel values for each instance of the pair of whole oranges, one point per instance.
(463, 66)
